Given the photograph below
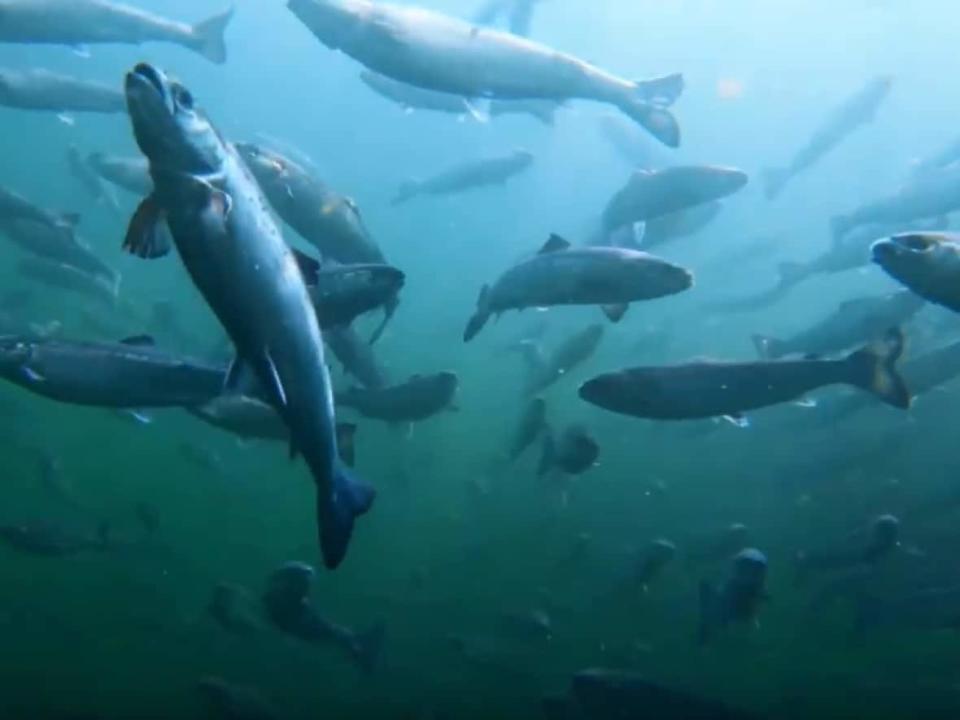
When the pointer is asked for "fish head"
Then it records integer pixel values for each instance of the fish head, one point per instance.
(15, 354)
(578, 450)
(629, 392)
(333, 22)
(749, 568)
(718, 182)
(383, 281)
(885, 531)
(650, 276)
(446, 384)
(661, 550)
(172, 132)
(291, 582)
(921, 261)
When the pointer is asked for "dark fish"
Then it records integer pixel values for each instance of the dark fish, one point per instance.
(227, 240)
(48, 540)
(287, 604)
(572, 352)
(133, 374)
(45, 90)
(856, 111)
(853, 323)
(562, 275)
(653, 560)
(91, 181)
(341, 293)
(729, 389)
(467, 176)
(411, 97)
(88, 22)
(356, 356)
(439, 52)
(57, 246)
(226, 701)
(518, 14)
(14, 206)
(651, 194)
(67, 277)
(738, 599)
(573, 452)
(931, 195)
(926, 263)
(532, 626)
(244, 416)
(883, 538)
(234, 609)
(421, 397)
(130, 174)
(532, 423)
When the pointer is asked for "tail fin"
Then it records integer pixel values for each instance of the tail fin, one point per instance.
(408, 190)
(548, 456)
(480, 317)
(368, 646)
(337, 510)
(774, 180)
(791, 273)
(873, 369)
(840, 225)
(656, 120)
(208, 36)
(661, 91)
(708, 613)
(769, 348)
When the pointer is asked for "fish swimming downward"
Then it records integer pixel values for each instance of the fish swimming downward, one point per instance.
(235, 255)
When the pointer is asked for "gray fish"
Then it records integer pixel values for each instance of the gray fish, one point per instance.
(572, 352)
(562, 275)
(226, 701)
(411, 97)
(14, 206)
(854, 322)
(738, 598)
(883, 538)
(930, 195)
(443, 53)
(131, 374)
(651, 194)
(467, 176)
(57, 246)
(356, 356)
(287, 604)
(244, 416)
(729, 389)
(341, 293)
(532, 423)
(856, 111)
(128, 173)
(518, 13)
(40, 89)
(572, 451)
(91, 181)
(926, 263)
(653, 561)
(421, 397)
(226, 238)
(234, 609)
(67, 277)
(87, 22)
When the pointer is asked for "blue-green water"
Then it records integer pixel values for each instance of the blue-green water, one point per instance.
(458, 537)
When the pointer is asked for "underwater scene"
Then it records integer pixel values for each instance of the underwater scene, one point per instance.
(475, 359)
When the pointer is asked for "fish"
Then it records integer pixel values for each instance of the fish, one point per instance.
(286, 602)
(243, 415)
(928, 264)
(234, 609)
(419, 398)
(226, 238)
(738, 599)
(438, 52)
(652, 561)
(854, 322)
(467, 176)
(531, 425)
(356, 356)
(571, 353)
(519, 14)
(57, 246)
(89, 179)
(14, 206)
(341, 293)
(227, 701)
(40, 89)
(709, 388)
(667, 228)
(883, 538)
(857, 110)
(651, 194)
(572, 451)
(545, 111)
(530, 626)
(131, 374)
(933, 194)
(563, 275)
(67, 277)
(943, 157)
(51, 540)
(78, 23)
(411, 97)
(127, 173)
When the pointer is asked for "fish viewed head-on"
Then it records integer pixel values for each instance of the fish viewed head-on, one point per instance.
(918, 260)
(749, 569)
(171, 131)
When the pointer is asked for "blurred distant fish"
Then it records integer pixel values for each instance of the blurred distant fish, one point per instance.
(738, 598)
(244, 416)
(226, 701)
(667, 228)
(467, 176)
(854, 322)
(572, 451)
(67, 277)
(573, 351)
(883, 537)
(52, 540)
(421, 397)
(944, 157)
(563, 275)
(729, 389)
(57, 246)
(14, 206)
(531, 424)
(519, 14)
(89, 179)
(234, 609)
(652, 561)
(355, 355)
(444, 53)
(40, 89)
(857, 110)
(86, 22)
(532, 626)
(926, 263)
(129, 173)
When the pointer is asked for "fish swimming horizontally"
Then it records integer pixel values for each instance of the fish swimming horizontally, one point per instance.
(46, 90)
(466, 176)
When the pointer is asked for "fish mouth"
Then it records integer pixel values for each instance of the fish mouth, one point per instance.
(146, 83)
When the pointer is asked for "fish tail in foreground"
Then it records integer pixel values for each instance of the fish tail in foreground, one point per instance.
(408, 190)
(207, 36)
(708, 613)
(774, 180)
(368, 647)
(769, 348)
(873, 369)
(481, 315)
(349, 498)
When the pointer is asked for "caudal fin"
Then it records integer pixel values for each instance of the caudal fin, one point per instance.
(662, 91)
(368, 647)
(774, 180)
(480, 316)
(769, 348)
(655, 119)
(873, 369)
(207, 36)
(349, 498)
(408, 190)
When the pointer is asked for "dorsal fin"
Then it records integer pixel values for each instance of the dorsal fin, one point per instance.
(554, 244)
(139, 341)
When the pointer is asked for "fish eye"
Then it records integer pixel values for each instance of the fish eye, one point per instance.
(916, 242)
(183, 97)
